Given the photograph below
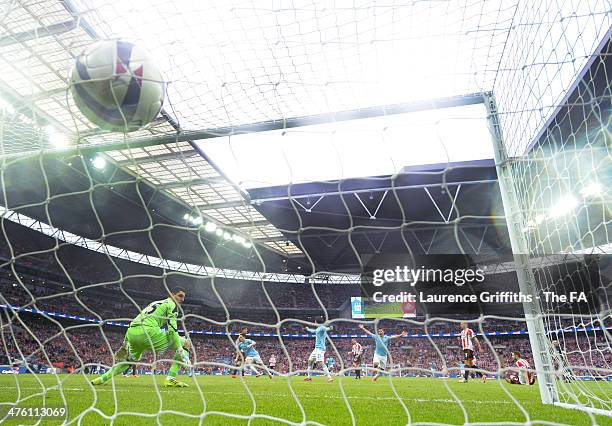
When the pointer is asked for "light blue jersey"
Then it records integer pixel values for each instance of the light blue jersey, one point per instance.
(321, 335)
(381, 345)
(248, 352)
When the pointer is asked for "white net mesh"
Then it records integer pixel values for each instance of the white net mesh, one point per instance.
(298, 142)
(562, 183)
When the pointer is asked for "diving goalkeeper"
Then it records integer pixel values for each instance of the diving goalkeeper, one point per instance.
(145, 333)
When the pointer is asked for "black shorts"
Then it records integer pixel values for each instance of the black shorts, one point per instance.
(357, 359)
(468, 354)
(514, 379)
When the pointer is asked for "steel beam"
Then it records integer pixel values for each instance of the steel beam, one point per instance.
(255, 223)
(371, 190)
(492, 221)
(215, 206)
(156, 158)
(192, 182)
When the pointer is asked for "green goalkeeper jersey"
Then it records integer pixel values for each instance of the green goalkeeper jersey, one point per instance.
(158, 314)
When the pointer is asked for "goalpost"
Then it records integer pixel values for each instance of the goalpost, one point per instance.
(554, 174)
(550, 330)
(533, 312)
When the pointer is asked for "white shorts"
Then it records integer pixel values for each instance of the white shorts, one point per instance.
(317, 354)
(381, 360)
(253, 359)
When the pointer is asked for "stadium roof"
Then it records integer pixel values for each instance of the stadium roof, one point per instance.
(234, 70)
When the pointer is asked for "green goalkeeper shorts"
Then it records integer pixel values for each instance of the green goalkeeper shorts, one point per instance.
(139, 339)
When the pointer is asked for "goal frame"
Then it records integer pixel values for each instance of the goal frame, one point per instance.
(547, 378)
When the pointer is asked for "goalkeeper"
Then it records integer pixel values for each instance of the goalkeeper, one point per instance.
(145, 333)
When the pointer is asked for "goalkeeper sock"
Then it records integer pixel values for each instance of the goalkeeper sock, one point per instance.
(176, 365)
(466, 372)
(117, 369)
(121, 356)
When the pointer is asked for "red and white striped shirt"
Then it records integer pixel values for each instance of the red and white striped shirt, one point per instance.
(522, 363)
(466, 339)
(357, 349)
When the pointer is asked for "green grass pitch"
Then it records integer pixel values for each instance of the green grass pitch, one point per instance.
(386, 402)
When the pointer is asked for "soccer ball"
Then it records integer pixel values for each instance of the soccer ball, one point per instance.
(117, 86)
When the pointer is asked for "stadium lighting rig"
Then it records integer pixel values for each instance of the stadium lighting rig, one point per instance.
(98, 162)
(565, 205)
(213, 228)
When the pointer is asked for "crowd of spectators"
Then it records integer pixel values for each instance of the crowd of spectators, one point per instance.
(35, 340)
(110, 306)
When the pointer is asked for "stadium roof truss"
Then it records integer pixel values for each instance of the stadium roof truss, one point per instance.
(258, 73)
(179, 170)
(49, 35)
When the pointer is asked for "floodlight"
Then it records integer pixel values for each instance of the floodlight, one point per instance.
(99, 162)
(210, 227)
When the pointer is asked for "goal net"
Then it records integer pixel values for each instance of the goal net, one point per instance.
(555, 164)
(303, 146)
